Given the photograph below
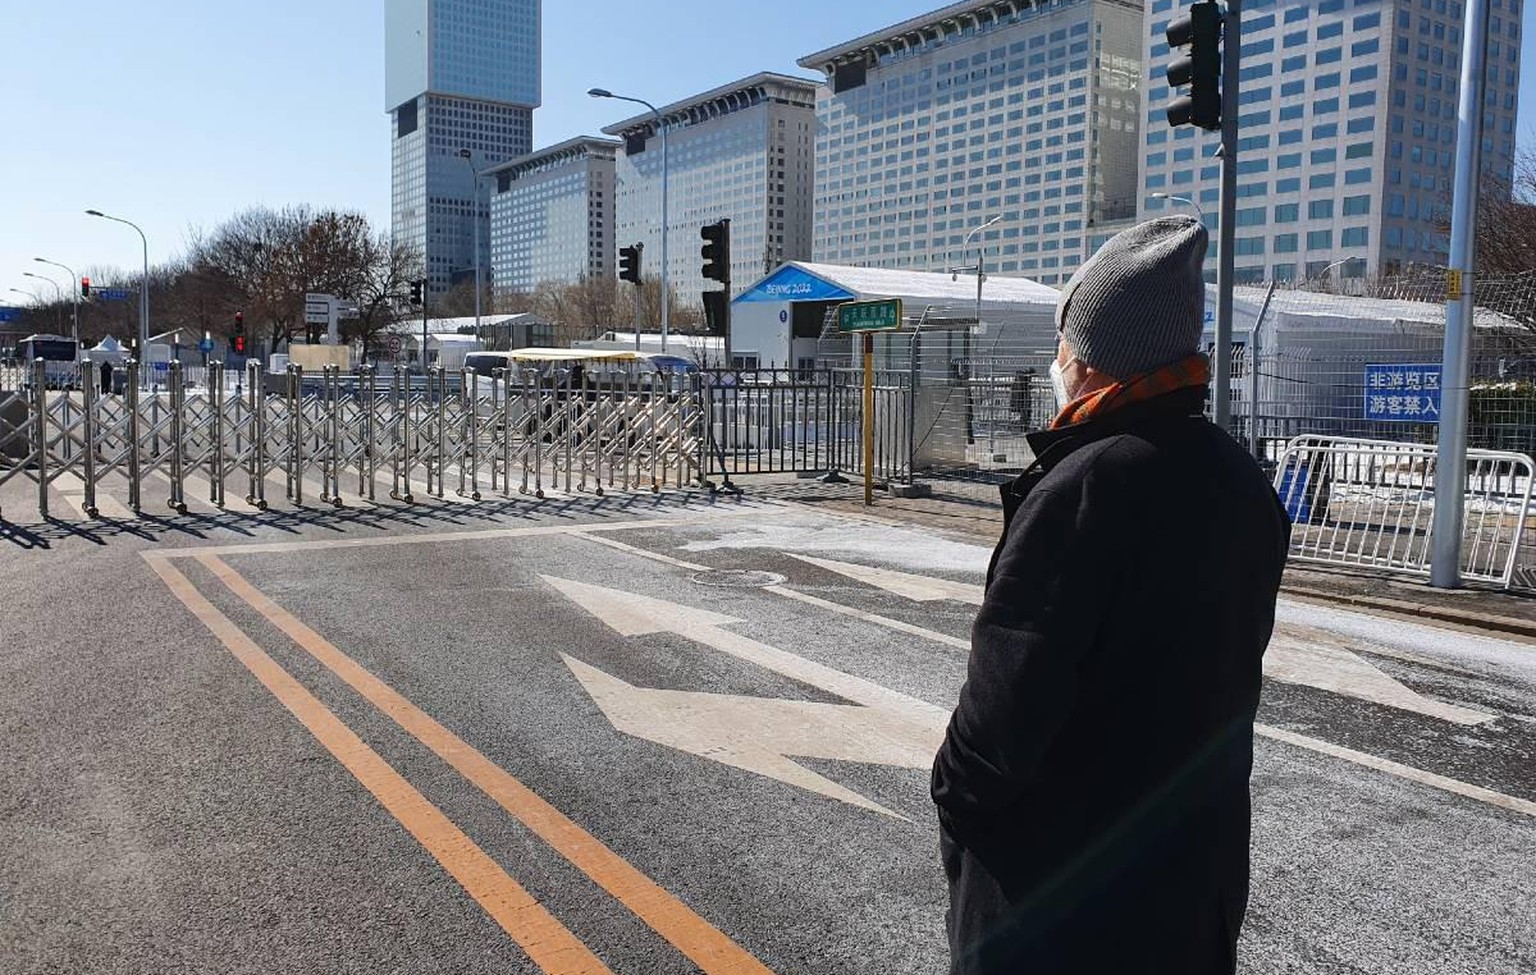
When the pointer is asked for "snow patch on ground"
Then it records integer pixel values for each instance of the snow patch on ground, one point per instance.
(1488, 655)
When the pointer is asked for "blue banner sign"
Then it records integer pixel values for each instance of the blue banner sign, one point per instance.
(1403, 393)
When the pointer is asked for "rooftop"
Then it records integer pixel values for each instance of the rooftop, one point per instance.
(582, 145)
(679, 111)
(931, 287)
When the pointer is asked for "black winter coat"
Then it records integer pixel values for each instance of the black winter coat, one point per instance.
(1093, 785)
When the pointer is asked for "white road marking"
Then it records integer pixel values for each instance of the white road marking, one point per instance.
(1297, 659)
(756, 734)
(617, 545)
(1296, 655)
(900, 626)
(1512, 803)
(923, 589)
(759, 734)
(875, 618)
(72, 488)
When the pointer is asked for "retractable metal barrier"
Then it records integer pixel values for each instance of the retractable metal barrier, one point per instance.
(522, 431)
(1370, 503)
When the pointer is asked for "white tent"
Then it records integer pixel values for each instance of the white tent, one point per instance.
(108, 349)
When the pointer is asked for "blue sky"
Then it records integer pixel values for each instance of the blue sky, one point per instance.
(177, 113)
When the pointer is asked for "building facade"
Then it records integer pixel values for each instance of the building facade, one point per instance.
(459, 75)
(1347, 134)
(745, 152)
(1028, 112)
(552, 215)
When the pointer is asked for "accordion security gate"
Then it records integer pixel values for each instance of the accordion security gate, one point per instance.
(323, 436)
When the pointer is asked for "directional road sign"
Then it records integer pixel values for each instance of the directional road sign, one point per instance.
(205, 345)
(317, 309)
(10, 314)
(869, 316)
(112, 294)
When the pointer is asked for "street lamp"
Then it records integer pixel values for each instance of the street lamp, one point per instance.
(666, 277)
(980, 268)
(143, 350)
(75, 290)
(1181, 199)
(1323, 274)
(468, 157)
(58, 291)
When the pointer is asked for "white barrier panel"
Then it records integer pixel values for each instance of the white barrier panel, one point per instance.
(1370, 504)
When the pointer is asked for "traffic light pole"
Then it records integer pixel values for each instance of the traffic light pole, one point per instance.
(1231, 45)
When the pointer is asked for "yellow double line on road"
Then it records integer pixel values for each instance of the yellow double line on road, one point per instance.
(551, 945)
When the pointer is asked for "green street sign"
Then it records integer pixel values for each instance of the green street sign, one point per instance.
(869, 316)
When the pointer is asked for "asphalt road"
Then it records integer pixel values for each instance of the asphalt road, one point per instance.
(643, 734)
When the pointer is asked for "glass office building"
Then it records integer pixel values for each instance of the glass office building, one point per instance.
(459, 74)
(1347, 133)
(552, 215)
(744, 151)
(1025, 111)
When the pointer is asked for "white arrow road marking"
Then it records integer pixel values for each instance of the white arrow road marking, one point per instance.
(755, 734)
(758, 734)
(1296, 655)
(923, 589)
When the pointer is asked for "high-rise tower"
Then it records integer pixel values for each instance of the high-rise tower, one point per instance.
(458, 74)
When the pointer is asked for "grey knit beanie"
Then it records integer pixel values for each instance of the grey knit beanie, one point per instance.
(1139, 303)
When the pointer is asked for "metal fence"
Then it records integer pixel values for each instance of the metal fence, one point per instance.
(767, 421)
(324, 435)
(1362, 503)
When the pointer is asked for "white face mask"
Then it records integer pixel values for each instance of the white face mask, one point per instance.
(1059, 386)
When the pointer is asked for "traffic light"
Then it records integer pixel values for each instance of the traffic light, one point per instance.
(717, 251)
(238, 344)
(85, 287)
(1200, 31)
(629, 264)
(417, 289)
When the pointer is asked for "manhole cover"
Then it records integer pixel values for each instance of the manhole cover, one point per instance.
(737, 578)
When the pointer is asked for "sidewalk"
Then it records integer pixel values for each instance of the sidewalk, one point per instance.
(972, 512)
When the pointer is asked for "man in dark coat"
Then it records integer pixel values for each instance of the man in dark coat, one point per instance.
(1093, 786)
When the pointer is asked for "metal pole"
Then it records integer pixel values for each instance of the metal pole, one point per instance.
(869, 419)
(1231, 45)
(1254, 446)
(1451, 459)
(666, 273)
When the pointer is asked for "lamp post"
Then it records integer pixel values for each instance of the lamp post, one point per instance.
(57, 291)
(1181, 199)
(666, 276)
(143, 350)
(1323, 274)
(75, 316)
(474, 173)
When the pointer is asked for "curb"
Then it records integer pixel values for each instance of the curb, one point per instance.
(1483, 621)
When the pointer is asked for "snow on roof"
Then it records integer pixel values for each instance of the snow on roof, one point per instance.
(875, 282)
(437, 326)
(1315, 304)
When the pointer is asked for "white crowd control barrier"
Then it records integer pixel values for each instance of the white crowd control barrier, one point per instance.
(1370, 503)
(591, 426)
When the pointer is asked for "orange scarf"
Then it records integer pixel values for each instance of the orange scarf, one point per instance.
(1192, 371)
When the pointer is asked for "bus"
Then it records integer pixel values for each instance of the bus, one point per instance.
(60, 355)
